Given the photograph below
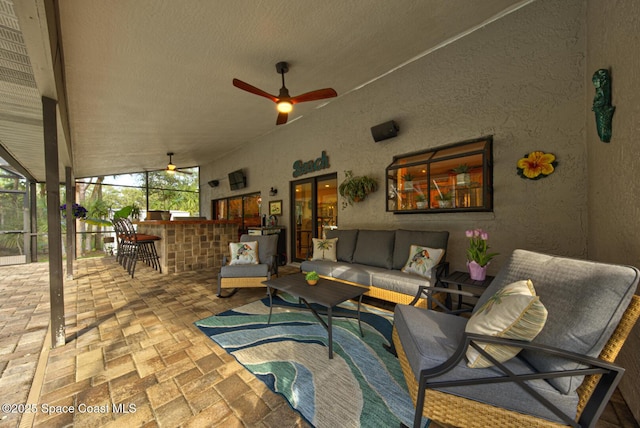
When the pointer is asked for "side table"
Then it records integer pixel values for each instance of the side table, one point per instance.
(459, 279)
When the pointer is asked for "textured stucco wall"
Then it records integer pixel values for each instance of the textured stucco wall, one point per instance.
(520, 79)
(614, 208)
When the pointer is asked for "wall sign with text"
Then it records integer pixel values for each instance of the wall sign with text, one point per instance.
(301, 168)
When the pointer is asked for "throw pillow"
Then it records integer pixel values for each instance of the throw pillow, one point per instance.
(325, 249)
(244, 253)
(514, 312)
(422, 259)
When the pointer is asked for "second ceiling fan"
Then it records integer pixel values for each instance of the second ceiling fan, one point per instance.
(284, 101)
(171, 168)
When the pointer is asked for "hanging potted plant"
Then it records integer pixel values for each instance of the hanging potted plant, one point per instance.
(463, 178)
(355, 189)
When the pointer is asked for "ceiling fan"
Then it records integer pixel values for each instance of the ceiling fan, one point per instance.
(171, 168)
(284, 101)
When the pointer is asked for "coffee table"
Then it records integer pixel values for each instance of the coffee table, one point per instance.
(325, 293)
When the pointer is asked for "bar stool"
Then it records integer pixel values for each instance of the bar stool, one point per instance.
(133, 246)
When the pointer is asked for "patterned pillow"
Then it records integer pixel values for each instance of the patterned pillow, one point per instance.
(244, 253)
(514, 312)
(422, 259)
(325, 249)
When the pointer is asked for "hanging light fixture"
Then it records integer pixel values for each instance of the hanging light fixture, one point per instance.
(171, 168)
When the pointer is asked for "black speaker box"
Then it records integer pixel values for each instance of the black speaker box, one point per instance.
(384, 131)
(214, 183)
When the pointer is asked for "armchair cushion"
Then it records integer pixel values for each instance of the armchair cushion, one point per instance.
(429, 338)
(514, 312)
(244, 253)
(267, 248)
(325, 249)
(347, 245)
(422, 260)
(244, 271)
(585, 301)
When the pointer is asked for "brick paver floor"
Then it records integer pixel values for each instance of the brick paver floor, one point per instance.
(133, 357)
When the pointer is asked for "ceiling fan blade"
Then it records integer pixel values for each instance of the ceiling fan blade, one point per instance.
(249, 88)
(319, 94)
(282, 118)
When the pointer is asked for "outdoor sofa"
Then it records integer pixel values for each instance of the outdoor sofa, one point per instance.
(376, 259)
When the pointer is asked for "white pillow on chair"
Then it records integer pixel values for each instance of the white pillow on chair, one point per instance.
(514, 312)
(244, 253)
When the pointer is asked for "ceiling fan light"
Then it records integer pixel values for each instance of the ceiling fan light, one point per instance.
(171, 168)
(285, 107)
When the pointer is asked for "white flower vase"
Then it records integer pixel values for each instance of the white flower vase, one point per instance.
(477, 272)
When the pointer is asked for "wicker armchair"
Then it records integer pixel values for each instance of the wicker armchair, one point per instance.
(234, 277)
(553, 381)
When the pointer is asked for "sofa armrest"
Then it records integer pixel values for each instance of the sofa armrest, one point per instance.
(439, 271)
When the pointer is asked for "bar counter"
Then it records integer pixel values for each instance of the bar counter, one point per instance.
(190, 244)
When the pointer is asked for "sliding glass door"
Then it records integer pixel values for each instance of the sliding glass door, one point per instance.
(314, 210)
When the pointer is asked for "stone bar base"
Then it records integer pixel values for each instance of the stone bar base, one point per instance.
(190, 244)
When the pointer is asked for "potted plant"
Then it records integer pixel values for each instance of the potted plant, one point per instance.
(312, 277)
(421, 201)
(408, 181)
(444, 200)
(355, 189)
(463, 178)
(478, 256)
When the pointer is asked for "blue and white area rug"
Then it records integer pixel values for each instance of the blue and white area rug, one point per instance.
(362, 386)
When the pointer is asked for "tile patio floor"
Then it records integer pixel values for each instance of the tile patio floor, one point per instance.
(133, 342)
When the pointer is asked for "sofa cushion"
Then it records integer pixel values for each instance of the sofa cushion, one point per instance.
(395, 280)
(375, 248)
(346, 243)
(585, 300)
(355, 273)
(404, 239)
(324, 249)
(514, 312)
(429, 338)
(322, 267)
(244, 253)
(422, 260)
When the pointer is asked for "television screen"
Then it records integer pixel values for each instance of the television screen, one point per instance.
(237, 180)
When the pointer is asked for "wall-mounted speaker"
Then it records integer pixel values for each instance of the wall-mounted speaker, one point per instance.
(384, 131)
(214, 183)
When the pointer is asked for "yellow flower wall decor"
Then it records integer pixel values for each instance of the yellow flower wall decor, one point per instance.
(537, 165)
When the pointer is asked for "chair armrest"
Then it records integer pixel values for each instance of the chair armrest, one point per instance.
(609, 379)
(438, 271)
(273, 264)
